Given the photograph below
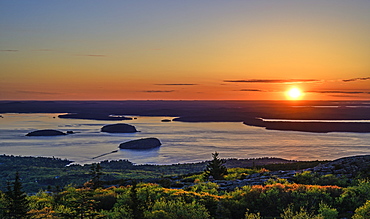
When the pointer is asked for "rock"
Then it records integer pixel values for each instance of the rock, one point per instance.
(70, 132)
(347, 166)
(46, 132)
(166, 120)
(119, 128)
(144, 143)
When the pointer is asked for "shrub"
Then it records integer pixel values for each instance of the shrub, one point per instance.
(252, 215)
(327, 212)
(362, 212)
(301, 214)
(177, 209)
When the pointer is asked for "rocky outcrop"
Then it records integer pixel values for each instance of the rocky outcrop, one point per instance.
(119, 128)
(347, 167)
(144, 143)
(46, 132)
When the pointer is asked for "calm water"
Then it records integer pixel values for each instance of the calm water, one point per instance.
(181, 142)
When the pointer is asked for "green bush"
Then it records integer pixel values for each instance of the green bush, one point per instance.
(362, 212)
(163, 209)
(206, 187)
(327, 212)
(252, 215)
(301, 214)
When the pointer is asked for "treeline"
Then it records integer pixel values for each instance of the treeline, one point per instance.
(43, 173)
(46, 173)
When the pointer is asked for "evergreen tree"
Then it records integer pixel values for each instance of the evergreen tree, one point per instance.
(215, 168)
(17, 203)
(135, 205)
(96, 174)
(78, 203)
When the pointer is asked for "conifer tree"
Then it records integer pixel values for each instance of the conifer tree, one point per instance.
(135, 205)
(17, 203)
(96, 173)
(215, 168)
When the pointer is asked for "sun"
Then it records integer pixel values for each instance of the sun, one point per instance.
(294, 93)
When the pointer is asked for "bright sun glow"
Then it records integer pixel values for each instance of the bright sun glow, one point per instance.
(294, 93)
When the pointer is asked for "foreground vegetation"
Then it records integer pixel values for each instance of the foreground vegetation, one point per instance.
(328, 197)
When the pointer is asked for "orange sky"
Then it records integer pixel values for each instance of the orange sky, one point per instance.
(216, 50)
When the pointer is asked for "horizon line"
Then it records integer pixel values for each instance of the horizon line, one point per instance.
(102, 100)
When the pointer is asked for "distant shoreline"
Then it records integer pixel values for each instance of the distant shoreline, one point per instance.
(315, 127)
(213, 111)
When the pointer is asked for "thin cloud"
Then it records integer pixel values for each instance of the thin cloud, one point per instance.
(274, 81)
(36, 92)
(93, 55)
(176, 84)
(339, 92)
(335, 95)
(356, 79)
(158, 91)
(252, 90)
(42, 50)
(9, 50)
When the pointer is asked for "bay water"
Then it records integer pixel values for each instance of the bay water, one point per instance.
(182, 142)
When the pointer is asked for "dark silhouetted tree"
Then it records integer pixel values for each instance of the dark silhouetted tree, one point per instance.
(17, 203)
(96, 174)
(215, 168)
(135, 204)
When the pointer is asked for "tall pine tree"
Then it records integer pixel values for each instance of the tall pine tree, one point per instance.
(215, 168)
(17, 203)
(96, 173)
(135, 205)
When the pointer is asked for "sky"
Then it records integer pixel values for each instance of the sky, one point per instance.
(184, 50)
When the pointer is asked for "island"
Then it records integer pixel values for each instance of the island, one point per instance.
(119, 128)
(144, 143)
(46, 132)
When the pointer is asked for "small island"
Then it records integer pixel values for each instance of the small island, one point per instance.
(144, 143)
(119, 128)
(46, 132)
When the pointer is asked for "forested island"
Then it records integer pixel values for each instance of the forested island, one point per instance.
(39, 187)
